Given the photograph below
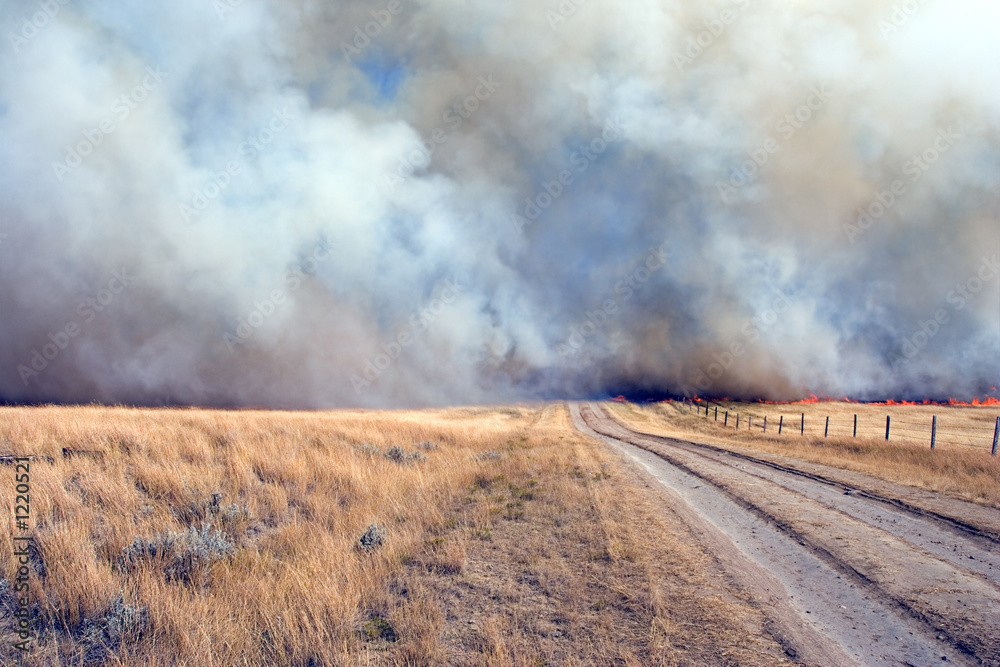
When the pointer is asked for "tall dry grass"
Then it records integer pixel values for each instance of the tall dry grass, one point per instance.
(293, 494)
(967, 472)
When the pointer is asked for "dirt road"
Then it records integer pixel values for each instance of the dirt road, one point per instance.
(848, 578)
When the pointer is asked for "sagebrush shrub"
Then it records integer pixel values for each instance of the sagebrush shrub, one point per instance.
(373, 538)
(103, 636)
(181, 554)
(399, 455)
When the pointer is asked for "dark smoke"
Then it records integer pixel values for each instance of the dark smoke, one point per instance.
(418, 202)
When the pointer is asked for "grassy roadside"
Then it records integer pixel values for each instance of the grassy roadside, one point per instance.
(962, 472)
(491, 537)
(557, 555)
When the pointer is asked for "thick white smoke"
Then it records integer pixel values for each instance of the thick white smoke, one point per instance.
(409, 202)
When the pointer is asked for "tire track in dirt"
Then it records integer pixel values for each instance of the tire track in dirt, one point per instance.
(942, 540)
(861, 578)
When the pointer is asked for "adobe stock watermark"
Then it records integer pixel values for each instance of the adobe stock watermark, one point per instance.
(33, 25)
(264, 309)
(958, 298)
(567, 8)
(249, 151)
(714, 28)
(455, 116)
(787, 126)
(121, 109)
(751, 331)
(902, 12)
(884, 200)
(392, 350)
(624, 290)
(86, 312)
(581, 159)
(372, 29)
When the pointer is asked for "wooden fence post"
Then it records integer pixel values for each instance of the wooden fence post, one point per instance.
(855, 426)
(781, 421)
(716, 413)
(737, 421)
(765, 423)
(826, 431)
(887, 428)
(996, 436)
(725, 422)
(750, 423)
(933, 430)
(802, 430)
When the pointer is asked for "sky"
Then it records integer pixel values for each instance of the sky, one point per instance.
(306, 204)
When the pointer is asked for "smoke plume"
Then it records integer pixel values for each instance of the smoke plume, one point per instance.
(420, 202)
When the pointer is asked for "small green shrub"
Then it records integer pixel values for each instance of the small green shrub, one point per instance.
(378, 628)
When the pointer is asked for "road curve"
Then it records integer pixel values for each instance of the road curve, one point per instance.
(846, 579)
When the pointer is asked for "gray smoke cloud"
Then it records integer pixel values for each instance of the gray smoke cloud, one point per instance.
(419, 202)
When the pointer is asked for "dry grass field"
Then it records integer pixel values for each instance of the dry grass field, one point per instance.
(961, 464)
(453, 537)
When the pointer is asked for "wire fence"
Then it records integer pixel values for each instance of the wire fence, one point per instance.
(932, 430)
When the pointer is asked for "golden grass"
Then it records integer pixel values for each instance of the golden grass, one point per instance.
(502, 497)
(967, 472)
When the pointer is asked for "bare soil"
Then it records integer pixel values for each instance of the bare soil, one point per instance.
(851, 569)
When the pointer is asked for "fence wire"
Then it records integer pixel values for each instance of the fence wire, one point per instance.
(861, 426)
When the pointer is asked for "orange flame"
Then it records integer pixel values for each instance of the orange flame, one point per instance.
(987, 401)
